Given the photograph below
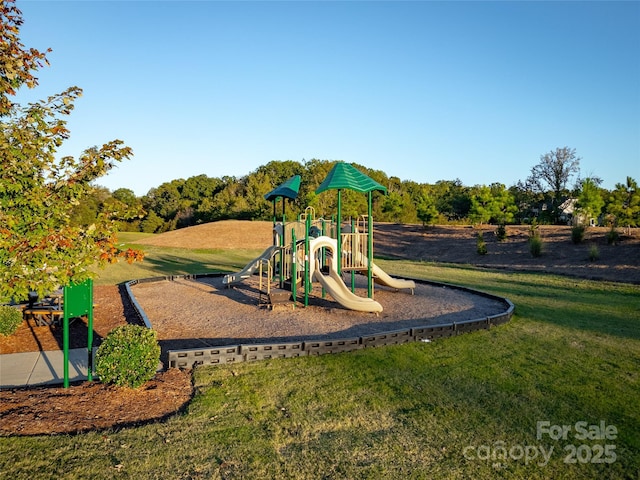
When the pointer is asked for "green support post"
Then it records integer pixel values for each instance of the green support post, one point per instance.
(294, 267)
(353, 273)
(323, 255)
(370, 248)
(65, 351)
(339, 232)
(281, 253)
(307, 261)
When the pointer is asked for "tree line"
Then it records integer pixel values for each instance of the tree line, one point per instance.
(554, 193)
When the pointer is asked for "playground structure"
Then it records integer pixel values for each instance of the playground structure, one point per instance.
(315, 249)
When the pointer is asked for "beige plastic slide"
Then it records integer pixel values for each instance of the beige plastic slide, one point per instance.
(251, 267)
(333, 284)
(384, 278)
(339, 291)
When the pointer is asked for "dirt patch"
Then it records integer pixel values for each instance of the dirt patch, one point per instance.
(618, 262)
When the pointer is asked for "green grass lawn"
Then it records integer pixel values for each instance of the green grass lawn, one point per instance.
(160, 261)
(463, 407)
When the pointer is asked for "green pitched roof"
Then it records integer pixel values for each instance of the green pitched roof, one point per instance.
(344, 175)
(288, 189)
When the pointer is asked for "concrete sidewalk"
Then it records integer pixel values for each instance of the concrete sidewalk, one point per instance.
(41, 368)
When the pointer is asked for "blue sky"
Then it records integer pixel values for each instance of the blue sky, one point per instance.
(422, 90)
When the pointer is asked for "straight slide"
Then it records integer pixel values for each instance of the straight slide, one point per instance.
(251, 267)
(383, 278)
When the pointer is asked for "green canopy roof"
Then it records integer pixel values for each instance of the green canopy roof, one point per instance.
(288, 189)
(344, 175)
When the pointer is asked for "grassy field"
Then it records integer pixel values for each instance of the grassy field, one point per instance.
(171, 261)
(490, 404)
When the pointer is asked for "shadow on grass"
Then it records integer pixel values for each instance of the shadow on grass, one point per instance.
(180, 265)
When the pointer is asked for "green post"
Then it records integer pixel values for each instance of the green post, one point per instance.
(353, 272)
(307, 225)
(281, 253)
(323, 255)
(65, 350)
(370, 248)
(339, 232)
(294, 267)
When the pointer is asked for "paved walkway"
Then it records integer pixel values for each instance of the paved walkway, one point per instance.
(41, 368)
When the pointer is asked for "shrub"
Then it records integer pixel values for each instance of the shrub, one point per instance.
(481, 246)
(10, 320)
(534, 229)
(128, 357)
(594, 253)
(577, 234)
(535, 245)
(501, 232)
(613, 237)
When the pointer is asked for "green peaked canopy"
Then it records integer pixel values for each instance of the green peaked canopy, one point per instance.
(288, 189)
(344, 175)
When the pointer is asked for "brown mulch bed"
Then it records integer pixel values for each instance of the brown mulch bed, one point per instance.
(94, 406)
(111, 309)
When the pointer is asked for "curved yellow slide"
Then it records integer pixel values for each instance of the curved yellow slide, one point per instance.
(333, 284)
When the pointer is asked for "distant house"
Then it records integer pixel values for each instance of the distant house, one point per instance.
(567, 209)
(568, 214)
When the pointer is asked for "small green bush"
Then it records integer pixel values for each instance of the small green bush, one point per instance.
(10, 320)
(501, 232)
(481, 246)
(535, 245)
(577, 234)
(128, 357)
(613, 237)
(594, 253)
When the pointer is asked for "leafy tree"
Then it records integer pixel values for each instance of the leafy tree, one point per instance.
(199, 187)
(87, 210)
(426, 209)
(229, 202)
(623, 206)
(493, 204)
(552, 174)
(590, 202)
(126, 196)
(393, 206)
(315, 172)
(40, 247)
(165, 199)
(528, 202)
(152, 223)
(452, 199)
(256, 186)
